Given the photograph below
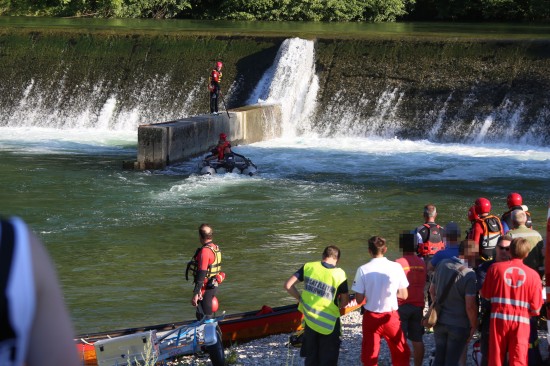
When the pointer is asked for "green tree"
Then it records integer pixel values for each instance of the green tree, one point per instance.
(385, 10)
(157, 9)
(313, 10)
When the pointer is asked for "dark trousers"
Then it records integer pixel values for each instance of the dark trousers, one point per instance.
(214, 97)
(320, 349)
(206, 304)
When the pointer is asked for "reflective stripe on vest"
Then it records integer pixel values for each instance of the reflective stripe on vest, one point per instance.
(509, 317)
(317, 299)
(505, 301)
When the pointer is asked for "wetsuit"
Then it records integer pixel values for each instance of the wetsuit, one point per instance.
(214, 88)
(208, 261)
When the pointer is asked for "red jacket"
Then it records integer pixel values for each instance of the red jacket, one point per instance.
(221, 149)
(515, 291)
(415, 270)
(205, 257)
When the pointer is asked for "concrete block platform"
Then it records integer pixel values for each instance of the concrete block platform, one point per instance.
(162, 144)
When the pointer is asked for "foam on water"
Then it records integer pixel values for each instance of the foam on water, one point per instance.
(39, 140)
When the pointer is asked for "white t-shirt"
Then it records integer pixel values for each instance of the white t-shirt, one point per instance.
(379, 281)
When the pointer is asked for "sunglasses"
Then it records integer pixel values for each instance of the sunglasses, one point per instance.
(503, 248)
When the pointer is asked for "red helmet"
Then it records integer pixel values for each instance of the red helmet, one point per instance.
(223, 136)
(219, 65)
(514, 199)
(472, 215)
(483, 205)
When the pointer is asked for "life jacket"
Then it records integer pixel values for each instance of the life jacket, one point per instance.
(213, 269)
(434, 242)
(492, 230)
(214, 80)
(317, 298)
(507, 218)
(221, 149)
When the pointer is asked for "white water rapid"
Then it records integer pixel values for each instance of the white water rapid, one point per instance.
(291, 81)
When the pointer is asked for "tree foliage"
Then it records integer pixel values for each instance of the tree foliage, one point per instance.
(492, 10)
(289, 10)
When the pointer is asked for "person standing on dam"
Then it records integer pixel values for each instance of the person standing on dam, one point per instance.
(214, 87)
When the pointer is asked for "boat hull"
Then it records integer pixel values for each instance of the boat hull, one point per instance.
(235, 328)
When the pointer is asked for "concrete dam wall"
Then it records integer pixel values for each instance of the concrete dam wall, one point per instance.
(451, 90)
(162, 144)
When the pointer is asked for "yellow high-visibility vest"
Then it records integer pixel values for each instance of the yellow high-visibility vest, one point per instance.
(317, 298)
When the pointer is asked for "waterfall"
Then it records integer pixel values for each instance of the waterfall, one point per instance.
(291, 81)
(328, 88)
(98, 104)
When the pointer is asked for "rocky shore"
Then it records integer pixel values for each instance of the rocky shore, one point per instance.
(273, 350)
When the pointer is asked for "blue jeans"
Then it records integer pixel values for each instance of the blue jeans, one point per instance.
(450, 342)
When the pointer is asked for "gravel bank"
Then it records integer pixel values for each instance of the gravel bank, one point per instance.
(272, 351)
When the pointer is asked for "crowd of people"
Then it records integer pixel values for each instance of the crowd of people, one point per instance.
(489, 282)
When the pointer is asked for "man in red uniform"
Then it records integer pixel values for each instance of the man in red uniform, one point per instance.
(206, 267)
(214, 87)
(515, 292)
(411, 309)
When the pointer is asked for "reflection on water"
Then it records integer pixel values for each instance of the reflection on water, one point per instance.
(290, 29)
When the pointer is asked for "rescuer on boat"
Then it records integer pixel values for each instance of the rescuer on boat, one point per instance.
(206, 269)
(222, 148)
(214, 87)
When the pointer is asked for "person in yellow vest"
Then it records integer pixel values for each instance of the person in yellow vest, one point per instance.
(325, 293)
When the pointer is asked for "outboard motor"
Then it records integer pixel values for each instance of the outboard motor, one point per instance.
(208, 170)
(250, 170)
(229, 163)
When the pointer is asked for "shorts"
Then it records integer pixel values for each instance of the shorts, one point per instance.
(411, 321)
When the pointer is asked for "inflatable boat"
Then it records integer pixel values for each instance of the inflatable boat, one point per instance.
(232, 163)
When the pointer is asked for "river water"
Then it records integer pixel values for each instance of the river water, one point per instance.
(121, 239)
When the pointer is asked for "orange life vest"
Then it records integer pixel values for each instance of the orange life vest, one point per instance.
(434, 243)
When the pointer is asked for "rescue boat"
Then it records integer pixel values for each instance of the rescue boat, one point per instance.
(232, 163)
(235, 328)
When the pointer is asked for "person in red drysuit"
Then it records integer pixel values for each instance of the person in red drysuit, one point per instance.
(206, 267)
(486, 230)
(214, 87)
(515, 293)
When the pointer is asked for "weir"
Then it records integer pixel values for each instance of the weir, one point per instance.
(162, 144)
(442, 90)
